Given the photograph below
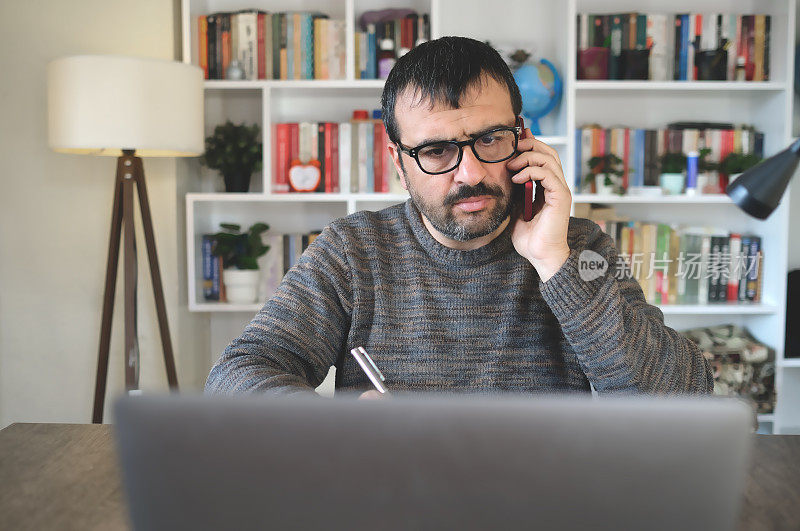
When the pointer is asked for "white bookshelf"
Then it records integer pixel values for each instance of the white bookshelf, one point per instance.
(550, 28)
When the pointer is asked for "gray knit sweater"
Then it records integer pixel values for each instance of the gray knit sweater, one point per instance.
(439, 319)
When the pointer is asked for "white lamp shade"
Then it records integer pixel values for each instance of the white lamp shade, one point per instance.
(102, 104)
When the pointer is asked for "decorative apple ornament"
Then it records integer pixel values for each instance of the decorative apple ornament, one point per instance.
(304, 177)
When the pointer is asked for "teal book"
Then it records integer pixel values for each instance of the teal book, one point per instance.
(307, 46)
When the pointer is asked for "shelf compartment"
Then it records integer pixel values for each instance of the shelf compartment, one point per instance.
(671, 199)
(719, 309)
(679, 86)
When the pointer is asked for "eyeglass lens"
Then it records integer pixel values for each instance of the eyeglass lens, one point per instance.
(443, 156)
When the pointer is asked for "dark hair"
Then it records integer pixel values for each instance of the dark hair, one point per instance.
(441, 71)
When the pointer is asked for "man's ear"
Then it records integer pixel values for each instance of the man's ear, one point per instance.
(396, 153)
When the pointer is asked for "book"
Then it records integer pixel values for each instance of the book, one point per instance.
(202, 37)
(753, 268)
(734, 268)
(211, 278)
(345, 149)
(714, 270)
(211, 59)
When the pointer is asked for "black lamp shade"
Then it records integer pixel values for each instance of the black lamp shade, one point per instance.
(758, 190)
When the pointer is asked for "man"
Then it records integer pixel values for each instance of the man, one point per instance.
(453, 290)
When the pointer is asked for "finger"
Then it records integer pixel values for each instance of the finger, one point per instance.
(536, 159)
(547, 149)
(556, 190)
(370, 395)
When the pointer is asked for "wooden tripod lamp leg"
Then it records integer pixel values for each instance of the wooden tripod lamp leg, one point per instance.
(130, 172)
(158, 290)
(108, 298)
(129, 244)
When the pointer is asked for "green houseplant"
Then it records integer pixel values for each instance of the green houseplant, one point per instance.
(240, 252)
(236, 152)
(672, 162)
(672, 167)
(735, 163)
(606, 173)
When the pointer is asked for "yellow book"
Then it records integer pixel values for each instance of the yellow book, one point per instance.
(758, 47)
(298, 46)
(637, 256)
(317, 48)
(357, 62)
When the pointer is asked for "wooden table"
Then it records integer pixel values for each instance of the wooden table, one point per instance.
(65, 476)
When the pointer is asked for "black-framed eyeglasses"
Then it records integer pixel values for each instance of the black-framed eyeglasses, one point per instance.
(442, 156)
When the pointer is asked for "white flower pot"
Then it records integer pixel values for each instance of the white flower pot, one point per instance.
(672, 183)
(241, 285)
(601, 187)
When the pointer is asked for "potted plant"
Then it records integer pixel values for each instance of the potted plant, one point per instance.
(672, 167)
(735, 163)
(235, 151)
(240, 252)
(605, 173)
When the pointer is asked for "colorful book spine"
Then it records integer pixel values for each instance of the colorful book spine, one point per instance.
(210, 270)
(202, 42)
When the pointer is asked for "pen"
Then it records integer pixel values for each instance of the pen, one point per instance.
(369, 367)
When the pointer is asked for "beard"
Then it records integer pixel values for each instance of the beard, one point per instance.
(467, 225)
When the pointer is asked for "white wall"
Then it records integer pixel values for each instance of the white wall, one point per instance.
(55, 212)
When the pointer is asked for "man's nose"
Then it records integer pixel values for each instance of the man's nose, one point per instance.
(471, 171)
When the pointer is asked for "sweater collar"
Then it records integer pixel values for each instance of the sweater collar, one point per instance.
(455, 257)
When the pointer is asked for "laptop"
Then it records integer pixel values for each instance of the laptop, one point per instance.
(432, 462)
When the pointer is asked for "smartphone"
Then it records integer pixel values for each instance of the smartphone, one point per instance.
(525, 192)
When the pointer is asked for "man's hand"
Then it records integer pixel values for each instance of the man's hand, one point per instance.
(543, 240)
(372, 394)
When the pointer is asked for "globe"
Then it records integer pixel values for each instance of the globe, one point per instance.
(541, 88)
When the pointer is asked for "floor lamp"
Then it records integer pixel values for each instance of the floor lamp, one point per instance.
(126, 107)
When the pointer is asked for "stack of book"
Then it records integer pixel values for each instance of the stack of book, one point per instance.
(319, 157)
(379, 45)
(677, 264)
(289, 45)
(640, 149)
(675, 39)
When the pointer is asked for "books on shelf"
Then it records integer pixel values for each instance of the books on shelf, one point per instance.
(676, 264)
(283, 45)
(319, 157)
(284, 252)
(641, 149)
(378, 45)
(213, 289)
(682, 46)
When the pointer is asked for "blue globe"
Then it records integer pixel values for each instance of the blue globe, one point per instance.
(541, 89)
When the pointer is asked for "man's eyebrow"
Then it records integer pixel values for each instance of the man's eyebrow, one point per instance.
(471, 135)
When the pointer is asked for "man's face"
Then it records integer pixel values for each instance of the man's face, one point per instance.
(474, 199)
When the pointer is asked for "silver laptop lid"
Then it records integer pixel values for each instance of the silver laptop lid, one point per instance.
(432, 462)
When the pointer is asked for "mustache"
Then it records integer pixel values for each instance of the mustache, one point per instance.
(467, 191)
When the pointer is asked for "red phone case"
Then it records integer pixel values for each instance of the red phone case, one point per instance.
(527, 211)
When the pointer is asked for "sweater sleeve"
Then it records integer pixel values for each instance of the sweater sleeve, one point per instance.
(295, 338)
(621, 341)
